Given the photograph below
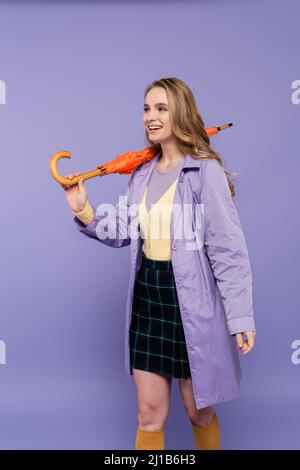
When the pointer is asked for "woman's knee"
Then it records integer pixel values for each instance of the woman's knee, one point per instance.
(202, 416)
(152, 417)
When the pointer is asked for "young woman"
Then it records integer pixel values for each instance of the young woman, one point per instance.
(189, 306)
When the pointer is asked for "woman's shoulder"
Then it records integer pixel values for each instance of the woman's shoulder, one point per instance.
(212, 169)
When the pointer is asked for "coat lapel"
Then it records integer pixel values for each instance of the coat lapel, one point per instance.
(179, 196)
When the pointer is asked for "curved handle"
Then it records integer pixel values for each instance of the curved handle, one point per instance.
(54, 171)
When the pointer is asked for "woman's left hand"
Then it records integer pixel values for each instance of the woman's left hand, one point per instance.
(245, 345)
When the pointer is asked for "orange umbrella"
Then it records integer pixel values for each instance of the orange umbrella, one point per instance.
(123, 164)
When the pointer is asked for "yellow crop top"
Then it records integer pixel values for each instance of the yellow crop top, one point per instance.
(155, 225)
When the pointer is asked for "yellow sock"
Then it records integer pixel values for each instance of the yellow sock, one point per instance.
(149, 440)
(207, 437)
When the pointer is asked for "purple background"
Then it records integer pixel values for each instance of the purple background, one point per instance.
(75, 74)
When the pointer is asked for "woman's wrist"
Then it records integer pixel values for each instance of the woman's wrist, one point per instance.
(86, 215)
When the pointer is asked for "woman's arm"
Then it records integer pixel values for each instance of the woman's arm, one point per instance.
(86, 215)
(226, 248)
(116, 220)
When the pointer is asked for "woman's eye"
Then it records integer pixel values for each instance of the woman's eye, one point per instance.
(164, 109)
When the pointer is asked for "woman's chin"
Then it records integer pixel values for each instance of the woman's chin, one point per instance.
(155, 140)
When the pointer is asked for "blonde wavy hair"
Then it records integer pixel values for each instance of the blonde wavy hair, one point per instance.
(187, 123)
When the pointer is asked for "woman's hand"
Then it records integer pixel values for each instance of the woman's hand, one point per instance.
(76, 194)
(245, 345)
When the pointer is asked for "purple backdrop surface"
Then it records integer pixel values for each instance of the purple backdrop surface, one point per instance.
(75, 74)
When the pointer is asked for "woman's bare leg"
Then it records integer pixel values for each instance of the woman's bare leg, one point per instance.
(199, 417)
(204, 421)
(153, 397)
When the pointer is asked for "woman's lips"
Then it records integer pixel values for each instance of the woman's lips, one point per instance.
(154, 130)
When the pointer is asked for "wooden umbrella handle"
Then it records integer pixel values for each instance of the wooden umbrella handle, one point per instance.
(54, 171)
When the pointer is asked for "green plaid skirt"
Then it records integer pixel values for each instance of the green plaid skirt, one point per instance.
(157, 341)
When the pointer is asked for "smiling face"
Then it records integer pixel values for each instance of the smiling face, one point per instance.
(157, 113)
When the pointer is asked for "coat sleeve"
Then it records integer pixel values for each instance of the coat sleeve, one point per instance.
(226, 248)
(116, 219)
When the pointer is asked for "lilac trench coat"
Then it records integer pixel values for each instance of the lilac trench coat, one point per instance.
(213, 281)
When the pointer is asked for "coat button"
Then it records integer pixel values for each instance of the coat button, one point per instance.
(179, 280)
(174, 245)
